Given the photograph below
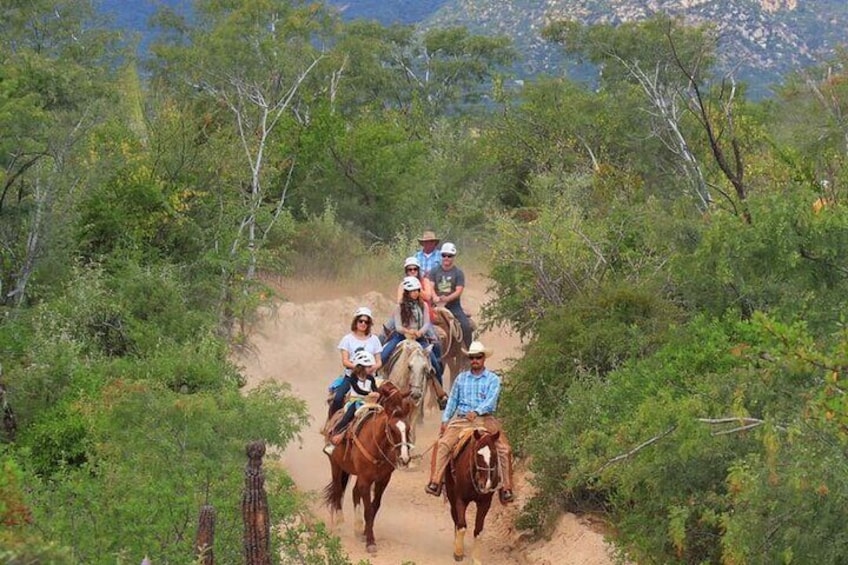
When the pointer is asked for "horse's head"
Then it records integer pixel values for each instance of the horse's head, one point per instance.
(391, 397)
(418, 363)
(411, 367)
(484, 469)
(397, 406)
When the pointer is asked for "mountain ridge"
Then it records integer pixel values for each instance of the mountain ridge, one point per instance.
(760, 41)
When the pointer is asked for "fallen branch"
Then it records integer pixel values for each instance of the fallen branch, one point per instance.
(636, 449)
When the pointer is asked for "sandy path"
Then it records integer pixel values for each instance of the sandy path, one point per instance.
(297, 344)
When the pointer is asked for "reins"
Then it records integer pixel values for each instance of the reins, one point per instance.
(474, 467)
(387, 434)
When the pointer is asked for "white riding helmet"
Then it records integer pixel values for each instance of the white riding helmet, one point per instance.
(449, 249)
(363, 358)
(363, 311)
(411, 283)
(411, 262)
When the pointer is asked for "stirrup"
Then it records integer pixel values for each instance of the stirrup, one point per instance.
(329, 448)
(443, 402)
(433, 488)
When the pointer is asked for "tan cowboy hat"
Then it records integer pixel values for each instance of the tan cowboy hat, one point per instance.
(429, 236)
(476, 348)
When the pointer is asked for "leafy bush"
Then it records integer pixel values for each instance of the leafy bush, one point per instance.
(593, 335)
(145, 441)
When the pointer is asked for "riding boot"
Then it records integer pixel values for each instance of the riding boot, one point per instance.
(439, 392)
(505, 494)
(438, 462)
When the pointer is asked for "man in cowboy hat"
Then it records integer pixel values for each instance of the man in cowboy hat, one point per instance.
(428, 256)
(472, 403)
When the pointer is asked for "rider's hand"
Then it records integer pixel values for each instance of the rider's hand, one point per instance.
(471, 416)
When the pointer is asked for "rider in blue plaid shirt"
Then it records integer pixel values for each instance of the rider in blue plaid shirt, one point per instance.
(472, 402)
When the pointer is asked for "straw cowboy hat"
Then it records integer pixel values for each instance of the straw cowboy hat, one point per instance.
(476, 348)
(428, 236)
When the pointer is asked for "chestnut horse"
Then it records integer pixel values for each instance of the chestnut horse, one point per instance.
(472, 476)
(371, 449)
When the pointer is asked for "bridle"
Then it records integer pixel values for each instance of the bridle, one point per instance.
(489, 471)
(385, 455)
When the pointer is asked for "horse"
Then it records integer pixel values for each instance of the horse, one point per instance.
(409, 367)
(372, 448)
(472, 476)
(450, 335)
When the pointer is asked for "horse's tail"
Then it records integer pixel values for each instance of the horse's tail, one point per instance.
(334, 491)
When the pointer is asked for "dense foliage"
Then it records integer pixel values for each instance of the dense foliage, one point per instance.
(673, 254)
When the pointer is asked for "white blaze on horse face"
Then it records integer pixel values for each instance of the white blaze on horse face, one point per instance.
(419, 363)
(404, 446)
(486, 453)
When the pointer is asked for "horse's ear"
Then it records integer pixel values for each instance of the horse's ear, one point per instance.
(496, 435)
(477, 433)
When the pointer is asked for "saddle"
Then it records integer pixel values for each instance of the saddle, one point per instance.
(465, 436)
(447, 328)
(362, 413)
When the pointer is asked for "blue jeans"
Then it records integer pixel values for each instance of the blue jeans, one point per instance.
(339, 397)
(435, 353)
(347, 418)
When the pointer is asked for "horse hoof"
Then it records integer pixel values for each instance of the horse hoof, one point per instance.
(371, 548)
(458, 557)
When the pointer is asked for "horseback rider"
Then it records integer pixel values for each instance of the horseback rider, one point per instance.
(472, 404)
(412, 268)
(428, 256)
(360, 338)
(411, 320)
(362, 386)
(449, 282)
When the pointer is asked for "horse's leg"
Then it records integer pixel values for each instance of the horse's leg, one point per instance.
(420, 409)
(483, 505)
(358, 522)
(379, 488)
(364, 488)
(458, 509)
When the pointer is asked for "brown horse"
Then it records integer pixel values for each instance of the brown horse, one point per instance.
(450, 336)
(472, 476)
(372, 449)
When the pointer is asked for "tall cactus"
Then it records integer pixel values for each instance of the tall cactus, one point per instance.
(205, 539)
(254, 509)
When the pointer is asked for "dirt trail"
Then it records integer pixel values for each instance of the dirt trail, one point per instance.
(298, 345)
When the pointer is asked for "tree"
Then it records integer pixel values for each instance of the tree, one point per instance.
(671, 63)
(55, 81)
(252, 58)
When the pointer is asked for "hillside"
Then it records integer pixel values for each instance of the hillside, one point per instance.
(760, 40)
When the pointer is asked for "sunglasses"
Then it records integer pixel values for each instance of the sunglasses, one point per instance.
(475, 357)
(446, 255)
(363, 321)
(412, 269)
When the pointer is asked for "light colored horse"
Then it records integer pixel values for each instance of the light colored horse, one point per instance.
(408, 368)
